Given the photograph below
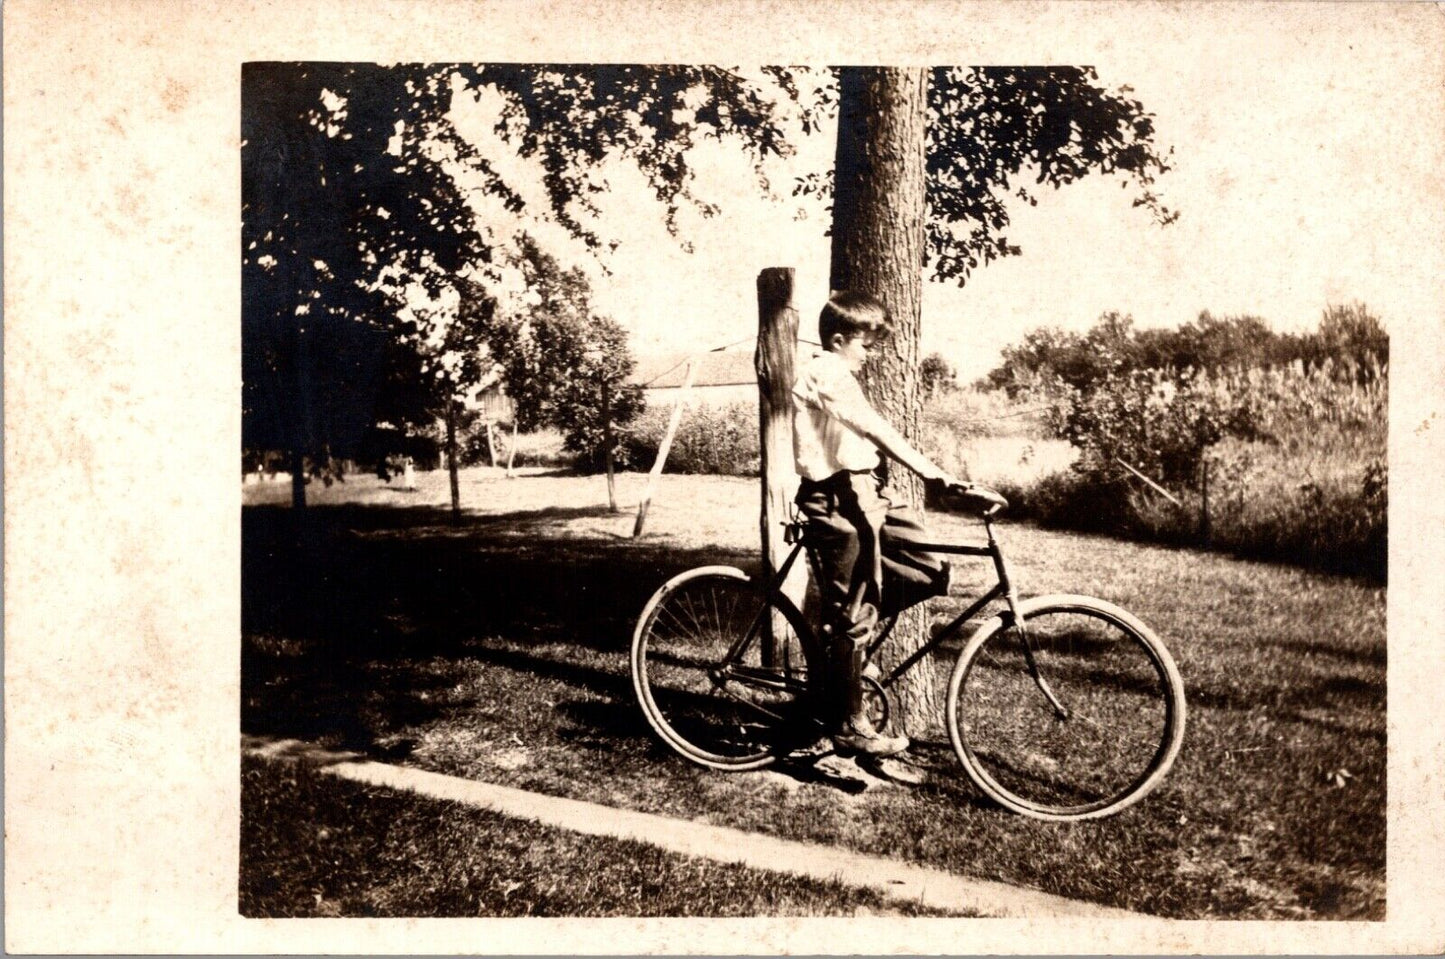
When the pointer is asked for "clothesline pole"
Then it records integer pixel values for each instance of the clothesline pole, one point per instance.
(664, 449)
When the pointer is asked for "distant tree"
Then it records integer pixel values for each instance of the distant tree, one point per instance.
(1349, 338)
(563, 365)
(1049, 357)
(597, 391)
(1352, 338)
(1213, 343)
(1109, 344)
(449, 337)
(937, 375)
(1046, 355)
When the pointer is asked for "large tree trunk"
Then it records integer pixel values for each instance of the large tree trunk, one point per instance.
(878, 241)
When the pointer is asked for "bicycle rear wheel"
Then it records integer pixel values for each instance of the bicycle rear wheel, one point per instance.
(1122, 700)
(709, 681)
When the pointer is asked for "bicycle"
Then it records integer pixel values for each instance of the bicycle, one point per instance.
(1060, 707)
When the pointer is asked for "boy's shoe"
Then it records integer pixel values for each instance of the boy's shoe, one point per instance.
(859, 736)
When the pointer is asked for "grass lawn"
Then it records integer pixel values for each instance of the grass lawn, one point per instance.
(317, 846)
(497, 649)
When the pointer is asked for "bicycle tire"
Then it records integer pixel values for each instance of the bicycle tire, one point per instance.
(1119, 683)
(733, 716)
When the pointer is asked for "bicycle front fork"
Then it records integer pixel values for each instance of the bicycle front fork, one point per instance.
(1016, 620)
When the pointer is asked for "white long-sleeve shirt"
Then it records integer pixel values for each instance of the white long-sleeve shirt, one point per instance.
(832, 419)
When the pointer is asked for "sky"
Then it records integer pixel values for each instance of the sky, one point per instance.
(1302, 172)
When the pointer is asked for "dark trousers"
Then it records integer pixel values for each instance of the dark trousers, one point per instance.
(868, 567)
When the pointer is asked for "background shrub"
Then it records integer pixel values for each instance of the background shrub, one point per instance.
(1294, 468)
(718, 440)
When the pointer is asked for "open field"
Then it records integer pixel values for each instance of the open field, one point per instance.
(496, 649)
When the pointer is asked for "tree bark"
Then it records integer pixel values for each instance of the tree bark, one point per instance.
(511, 448)
(298, 478)
(879, 209)
(1205, 531)
(607, 443)
(452, 460)
(774, 362)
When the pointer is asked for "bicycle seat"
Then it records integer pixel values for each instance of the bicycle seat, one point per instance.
(972, 498)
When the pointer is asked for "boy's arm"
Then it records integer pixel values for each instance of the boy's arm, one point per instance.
(892, 443)
(843, 398)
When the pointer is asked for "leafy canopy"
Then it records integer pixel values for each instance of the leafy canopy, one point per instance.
(356, 183)
(351, 191)
(991, 129)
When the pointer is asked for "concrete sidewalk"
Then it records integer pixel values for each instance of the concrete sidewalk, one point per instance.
(895, 880)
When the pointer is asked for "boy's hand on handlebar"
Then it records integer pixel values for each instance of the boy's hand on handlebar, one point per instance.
(953, 484)
(979, 493)
(949, 481)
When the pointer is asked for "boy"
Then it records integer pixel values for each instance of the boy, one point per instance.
(860, 535)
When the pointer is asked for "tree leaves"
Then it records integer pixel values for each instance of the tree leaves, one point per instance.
(563, 365)
(353, 165)
(997, 133)
(990, 125)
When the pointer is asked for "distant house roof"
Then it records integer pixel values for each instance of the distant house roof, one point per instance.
(664, 370)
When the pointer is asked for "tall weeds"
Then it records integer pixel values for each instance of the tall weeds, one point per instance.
(1306, 482)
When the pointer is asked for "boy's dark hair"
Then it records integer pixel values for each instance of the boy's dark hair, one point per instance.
(849, 313)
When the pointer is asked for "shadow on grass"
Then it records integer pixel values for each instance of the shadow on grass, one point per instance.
(342, 617)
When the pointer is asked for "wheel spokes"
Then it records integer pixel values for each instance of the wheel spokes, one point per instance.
(705, 686)
(1069, 719)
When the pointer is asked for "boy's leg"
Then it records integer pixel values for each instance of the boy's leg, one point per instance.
(866, 511)
(837, 541)
(910, 575)
(845, 516)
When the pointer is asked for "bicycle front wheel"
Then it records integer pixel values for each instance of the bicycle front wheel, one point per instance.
(1078, 715)
(711, 682)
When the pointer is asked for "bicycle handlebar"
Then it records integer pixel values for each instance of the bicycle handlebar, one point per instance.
(977, 499)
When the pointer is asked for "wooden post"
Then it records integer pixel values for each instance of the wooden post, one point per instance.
(511, 450)
(491, 444)
(607, 442)
(663, 450)
(774, 363)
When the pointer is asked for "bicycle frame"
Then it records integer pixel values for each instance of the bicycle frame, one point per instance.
(1003, 589)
